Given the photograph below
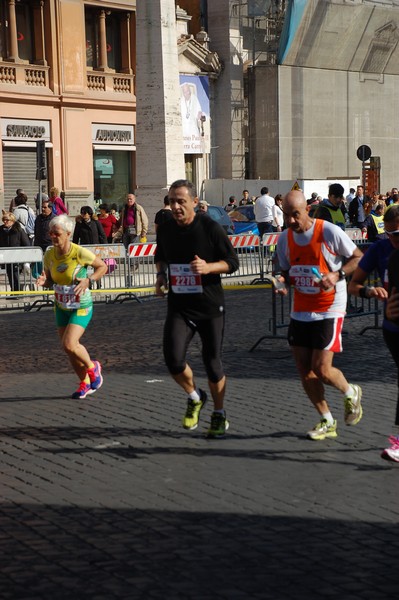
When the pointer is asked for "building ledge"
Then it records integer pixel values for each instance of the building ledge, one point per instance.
(110, 82)
(32, 76)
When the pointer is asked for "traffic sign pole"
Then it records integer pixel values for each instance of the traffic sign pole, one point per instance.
(363, 153)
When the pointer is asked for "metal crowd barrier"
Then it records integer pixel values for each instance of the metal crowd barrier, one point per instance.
(23, 265)
(132, 273)
(355, 307)
(269, 243)
(248, 249)
(116, 285)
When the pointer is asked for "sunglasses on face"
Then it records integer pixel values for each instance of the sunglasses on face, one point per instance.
(393, 233)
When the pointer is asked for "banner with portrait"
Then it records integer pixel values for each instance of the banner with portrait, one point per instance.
(194, 106)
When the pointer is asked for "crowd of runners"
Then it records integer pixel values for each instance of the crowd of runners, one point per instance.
(315, 257)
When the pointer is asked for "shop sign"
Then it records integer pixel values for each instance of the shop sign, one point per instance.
(103, 133)
(23, 130)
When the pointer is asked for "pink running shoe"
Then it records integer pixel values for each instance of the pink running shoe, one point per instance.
(96, 379)
(392, 453)
(83, 390)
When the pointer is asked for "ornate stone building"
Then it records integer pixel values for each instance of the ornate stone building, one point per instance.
(68, 76)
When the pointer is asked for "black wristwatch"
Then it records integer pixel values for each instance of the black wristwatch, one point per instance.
(342, 274)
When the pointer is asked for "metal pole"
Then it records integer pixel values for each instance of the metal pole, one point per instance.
(253, 43)
(363, 178)
(40, 197)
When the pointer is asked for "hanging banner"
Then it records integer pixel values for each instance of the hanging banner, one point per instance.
(194, 106)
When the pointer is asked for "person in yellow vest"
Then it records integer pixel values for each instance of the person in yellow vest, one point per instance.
(375, 223)
(333, 209)
(311, 255)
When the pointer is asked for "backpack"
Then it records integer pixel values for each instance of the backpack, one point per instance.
(30, 224)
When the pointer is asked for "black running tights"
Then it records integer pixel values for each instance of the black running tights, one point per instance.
(178, 333)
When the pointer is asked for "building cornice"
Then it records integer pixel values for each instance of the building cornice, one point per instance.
(206, 61)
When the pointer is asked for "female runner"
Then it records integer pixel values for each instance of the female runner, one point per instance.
(65, 270)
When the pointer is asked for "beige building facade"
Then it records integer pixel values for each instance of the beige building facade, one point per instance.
(66, 77)
(79, 75)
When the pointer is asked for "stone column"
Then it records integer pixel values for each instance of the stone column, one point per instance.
(13, 43)
(39, 33)
(103, 42)
(159, 136)
(228, 155)
(126, 45)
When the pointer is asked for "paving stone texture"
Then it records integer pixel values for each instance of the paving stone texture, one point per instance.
(109, 498)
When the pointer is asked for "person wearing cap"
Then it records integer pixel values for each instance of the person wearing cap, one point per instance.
(203, 206)
(232, 205)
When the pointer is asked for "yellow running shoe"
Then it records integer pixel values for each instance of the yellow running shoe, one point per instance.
(323, 430)
(191, 418)
(219, 425)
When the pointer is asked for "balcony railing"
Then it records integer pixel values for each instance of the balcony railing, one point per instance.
(38, 76)
(24, 74)
(110, 82)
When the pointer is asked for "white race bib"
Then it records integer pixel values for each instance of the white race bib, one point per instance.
(303, 279)
(184, 281)
(66, 297)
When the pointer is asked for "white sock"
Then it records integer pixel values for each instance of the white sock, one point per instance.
(195, 396)
(328, 417)
(349, 392)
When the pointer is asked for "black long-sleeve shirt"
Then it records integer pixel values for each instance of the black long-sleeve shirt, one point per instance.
(179, 245)
(89, 232)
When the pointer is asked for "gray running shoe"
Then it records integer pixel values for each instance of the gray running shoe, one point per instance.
(353, 407)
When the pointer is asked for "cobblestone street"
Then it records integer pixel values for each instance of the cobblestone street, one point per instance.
(109, 498)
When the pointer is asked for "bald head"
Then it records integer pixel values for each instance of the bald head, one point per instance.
(295, 211)
(294, 198)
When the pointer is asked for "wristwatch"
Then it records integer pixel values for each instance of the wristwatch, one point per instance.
(342, 274)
